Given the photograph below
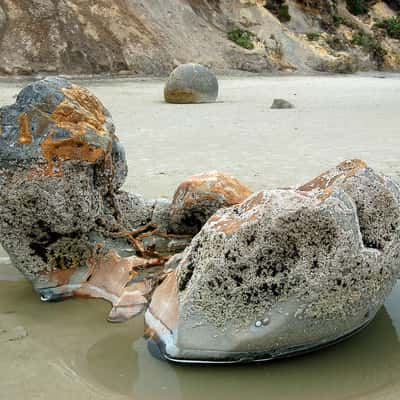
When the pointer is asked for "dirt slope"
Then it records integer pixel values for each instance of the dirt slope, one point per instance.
(150, 37)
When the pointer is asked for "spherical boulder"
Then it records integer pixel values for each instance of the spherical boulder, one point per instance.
(191, 83)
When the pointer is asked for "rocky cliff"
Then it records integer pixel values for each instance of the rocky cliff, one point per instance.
(150, 37)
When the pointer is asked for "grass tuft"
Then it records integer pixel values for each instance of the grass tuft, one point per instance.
(242, 38)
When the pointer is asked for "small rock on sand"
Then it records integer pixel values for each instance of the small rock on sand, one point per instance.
(279, 104)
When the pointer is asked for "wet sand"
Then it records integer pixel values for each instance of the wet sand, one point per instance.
(68, 350)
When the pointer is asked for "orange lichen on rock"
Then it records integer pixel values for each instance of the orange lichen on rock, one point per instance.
(91, 111)
(208, 183)
(253, 201)
(79, 113)
(230, 225)
(200, 196)
(344, 170)
(25, 136)
(231, 222)
(75, 148)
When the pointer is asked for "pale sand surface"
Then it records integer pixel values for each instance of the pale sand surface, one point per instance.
(70, 352)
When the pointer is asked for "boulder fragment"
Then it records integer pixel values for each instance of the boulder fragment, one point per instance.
(64, 221)
(198, 197)
(285, 271)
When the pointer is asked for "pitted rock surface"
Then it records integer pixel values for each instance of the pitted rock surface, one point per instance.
(376, 197)
(275, 246)
(64, 221)
(332, 247)
(57, 164)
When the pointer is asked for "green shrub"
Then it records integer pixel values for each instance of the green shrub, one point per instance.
(357, 7)
(391, 26)
(362, 39)
(372, 45)
(313, 36)
(242, 38)
(337, 20)
(283, 13)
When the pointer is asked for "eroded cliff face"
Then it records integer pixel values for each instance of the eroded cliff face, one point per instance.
(151, 37)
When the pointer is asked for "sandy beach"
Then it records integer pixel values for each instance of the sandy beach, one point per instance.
(68, 350)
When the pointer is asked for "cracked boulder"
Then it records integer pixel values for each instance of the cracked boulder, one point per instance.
(198, 197)
(64, 221)
(284, 272)
(191, 83)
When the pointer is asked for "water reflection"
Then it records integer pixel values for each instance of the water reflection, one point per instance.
(363, 364)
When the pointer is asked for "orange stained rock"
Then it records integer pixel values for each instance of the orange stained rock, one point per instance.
(135, 294)
(111, 272)
(164, 303)
(231, 223)
(61, 276)
(253, 201)
(25, 136)
(89, 103)
(75, 148)
(344, 170)
(131, 303)
(41, 170)
(180, 96)
(79, 112)
(203, 186)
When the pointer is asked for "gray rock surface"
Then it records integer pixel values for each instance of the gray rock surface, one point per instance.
(281, 104)
(191, 83)
(285, 269)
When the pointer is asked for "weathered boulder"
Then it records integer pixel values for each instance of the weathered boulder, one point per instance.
(64, 221)
(281, 104)
(198, 197)
(283, 272)
(375, 196)
(191, 83)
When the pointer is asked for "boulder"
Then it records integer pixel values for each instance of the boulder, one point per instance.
(191, 83)
(64, 221)
(198, 197)
(285, 271)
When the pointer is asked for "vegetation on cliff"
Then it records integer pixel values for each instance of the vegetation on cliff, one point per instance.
(145, 38)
